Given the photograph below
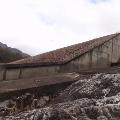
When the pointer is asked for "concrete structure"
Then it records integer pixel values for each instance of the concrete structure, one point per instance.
(38, 85)
(97, 53)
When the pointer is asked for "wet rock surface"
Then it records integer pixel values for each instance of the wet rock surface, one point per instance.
(97, 98)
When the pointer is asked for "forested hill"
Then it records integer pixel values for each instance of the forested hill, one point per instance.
(8, 54)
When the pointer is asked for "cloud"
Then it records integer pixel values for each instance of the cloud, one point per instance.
(98, 1)
(37, 26)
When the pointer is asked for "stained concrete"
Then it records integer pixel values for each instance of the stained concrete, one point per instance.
(99, 57)
(12, 74)
(38, 84)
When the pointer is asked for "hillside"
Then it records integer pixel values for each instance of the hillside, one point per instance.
(8, 54)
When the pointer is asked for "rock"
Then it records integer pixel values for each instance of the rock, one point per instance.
(97, 98)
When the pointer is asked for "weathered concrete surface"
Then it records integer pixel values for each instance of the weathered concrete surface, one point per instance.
(24, 84)
(109, 70)
(2, 74)
(61, 78)
(38, 71)
(99, 57)
(12, 74)
(28, 72)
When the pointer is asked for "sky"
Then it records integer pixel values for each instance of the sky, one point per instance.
(38, 26)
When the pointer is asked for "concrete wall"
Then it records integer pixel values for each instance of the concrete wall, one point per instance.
(99, 57)
(2, 73)
(38, 71)
(12, 74)
(18, 73)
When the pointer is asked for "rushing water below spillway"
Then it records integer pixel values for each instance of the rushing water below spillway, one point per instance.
(97, 98)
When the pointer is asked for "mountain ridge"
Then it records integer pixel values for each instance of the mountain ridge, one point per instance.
(9, 54)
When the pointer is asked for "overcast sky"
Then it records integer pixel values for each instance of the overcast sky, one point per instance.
(37, 26)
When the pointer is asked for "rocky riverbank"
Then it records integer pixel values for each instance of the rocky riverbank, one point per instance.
(96, 98)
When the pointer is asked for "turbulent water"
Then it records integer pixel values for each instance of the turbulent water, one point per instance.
(97, 98)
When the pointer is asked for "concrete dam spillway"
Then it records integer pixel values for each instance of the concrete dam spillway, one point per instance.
(83, 74)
